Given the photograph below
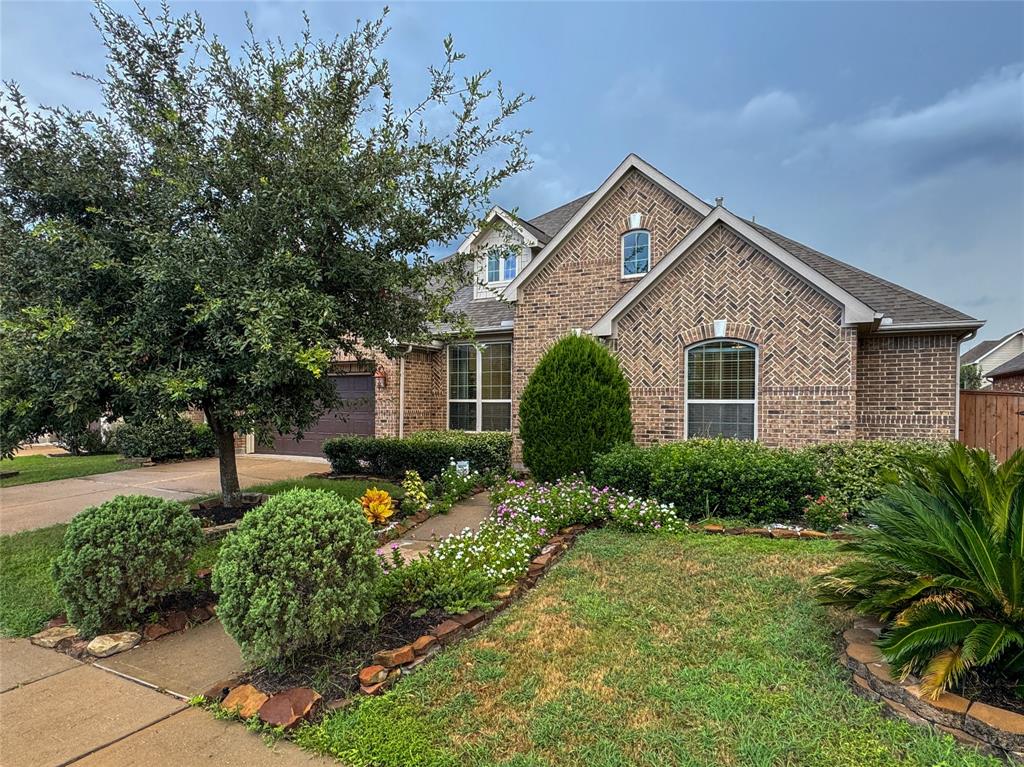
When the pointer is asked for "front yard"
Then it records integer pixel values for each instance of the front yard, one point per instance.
(44, 468)
(644, 650)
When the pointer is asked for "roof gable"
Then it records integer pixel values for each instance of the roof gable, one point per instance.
(632, 162)
(1011, 367)
(854, 310)
(985, 348)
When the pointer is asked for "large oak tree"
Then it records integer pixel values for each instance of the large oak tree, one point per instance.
(228, 221)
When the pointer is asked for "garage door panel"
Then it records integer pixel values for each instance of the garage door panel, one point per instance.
(355, 416)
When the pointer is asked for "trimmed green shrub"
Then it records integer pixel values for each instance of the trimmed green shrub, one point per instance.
(715, 477)
(855, 473)
(163, 439)
(121, 557)
(425, 452)
(299, 571)
(943, 561)
(575, 406)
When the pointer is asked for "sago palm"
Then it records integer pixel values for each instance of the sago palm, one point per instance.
(943, 561)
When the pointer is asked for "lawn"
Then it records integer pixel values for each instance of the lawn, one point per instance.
(44, 468)
(27, 598)
(638, 650)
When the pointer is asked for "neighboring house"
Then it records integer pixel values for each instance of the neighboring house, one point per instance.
(988, 355)
(722, 327)
(1009, 376)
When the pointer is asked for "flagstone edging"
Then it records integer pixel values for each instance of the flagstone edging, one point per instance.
(992, 730)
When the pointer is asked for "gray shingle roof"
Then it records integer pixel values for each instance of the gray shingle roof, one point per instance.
(978, 351)
(482, 313)
(552, 221)
(902, 305)
(1011, 367)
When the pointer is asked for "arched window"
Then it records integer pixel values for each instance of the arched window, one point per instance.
(636, 253)
(721, 390)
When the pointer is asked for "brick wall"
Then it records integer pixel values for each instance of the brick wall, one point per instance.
(425, 403)
(906, 387)
(1013, 383)
(806, 360)
(582, 279)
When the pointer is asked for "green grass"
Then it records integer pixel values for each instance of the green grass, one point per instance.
(636, 650)
(27, 596)
(44, 468)
(346, 488)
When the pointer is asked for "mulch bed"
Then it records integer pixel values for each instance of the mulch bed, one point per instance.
(334, 670)
(214, 512)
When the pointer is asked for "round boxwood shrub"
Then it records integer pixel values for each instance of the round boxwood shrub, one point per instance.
(121, 557)
(574, 407)
(299, 571)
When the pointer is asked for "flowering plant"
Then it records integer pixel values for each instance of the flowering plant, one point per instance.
(821, 512)
(377, 505)
(415, 492)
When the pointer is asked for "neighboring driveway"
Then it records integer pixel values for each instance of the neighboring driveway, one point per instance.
(26, 507)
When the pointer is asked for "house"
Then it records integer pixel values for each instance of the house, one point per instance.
(1009, 376)
(989, 355)
(722, 326)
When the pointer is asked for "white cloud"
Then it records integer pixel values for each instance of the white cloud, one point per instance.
(774, 108)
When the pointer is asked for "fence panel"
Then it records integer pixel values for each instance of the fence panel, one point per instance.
(992, 420)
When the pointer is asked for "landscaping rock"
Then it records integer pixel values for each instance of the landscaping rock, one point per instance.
(155, 631)
(288, 708)
(505, 592)
(447, 631)
(396, 657)
(782, 532)
(762, 532)
(998, 726)
(51, 637)
(372, 689)
(106, 645)
(60, 620)
(372, 675)
(423, 644)
(813, 534)
(470, 619)
(244, 700)
(859, 636)
(78, 649)
(540, 562)
(176, 621)
(868, 624)
(864, 653)
(218, 691)
(713, 529)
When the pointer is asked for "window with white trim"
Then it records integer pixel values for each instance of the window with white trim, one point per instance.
(501, 267)
(636, 253)
(721, 390)
(480, 387)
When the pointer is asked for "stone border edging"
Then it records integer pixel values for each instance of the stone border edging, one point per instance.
(994, 731)
(770, 532)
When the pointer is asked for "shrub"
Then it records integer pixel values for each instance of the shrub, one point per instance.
(425, 452)
(377, 505)
(88, 441)
(414, 493)
(943, 561)
(715, 477)
(163, 439)
(575, 406)
(854, 473)
(121, 557)
(299, 571)
(823, 513)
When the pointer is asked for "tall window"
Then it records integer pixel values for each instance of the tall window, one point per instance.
(721, 390)
(636, 253)
(480, 387)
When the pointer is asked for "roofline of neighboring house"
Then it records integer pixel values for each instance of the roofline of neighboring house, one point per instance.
(998, 372)
(855, 311)
(1005, 340)
(632, 162)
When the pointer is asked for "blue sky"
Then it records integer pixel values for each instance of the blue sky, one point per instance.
(890, 136)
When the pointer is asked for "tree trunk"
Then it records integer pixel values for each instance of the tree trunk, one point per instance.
(231, 493)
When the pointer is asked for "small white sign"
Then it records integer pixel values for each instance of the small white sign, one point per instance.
(462, 467)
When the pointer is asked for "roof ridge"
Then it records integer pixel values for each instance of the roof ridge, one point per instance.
(557, 208)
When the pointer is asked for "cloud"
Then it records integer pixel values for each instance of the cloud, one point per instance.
(983, 122)
(774, 107)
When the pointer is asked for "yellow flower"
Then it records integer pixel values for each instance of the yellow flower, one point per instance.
(377, 505)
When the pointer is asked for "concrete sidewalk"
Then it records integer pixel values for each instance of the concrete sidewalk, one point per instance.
(468, 513)
(26, 507)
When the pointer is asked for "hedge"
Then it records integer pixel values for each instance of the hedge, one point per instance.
(426, 452)
(163, 439)
(714, 477)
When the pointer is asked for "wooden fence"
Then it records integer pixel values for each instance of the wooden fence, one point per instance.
(992, 420)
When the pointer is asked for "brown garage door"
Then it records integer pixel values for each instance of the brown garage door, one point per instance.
(354, 417)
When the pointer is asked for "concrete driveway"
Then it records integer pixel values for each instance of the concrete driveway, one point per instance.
(26, 507)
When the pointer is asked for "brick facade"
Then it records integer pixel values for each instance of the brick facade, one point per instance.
(806, 360)
(1014, 383)
(425, 402)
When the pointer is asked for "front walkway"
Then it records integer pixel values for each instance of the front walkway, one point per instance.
(27, 507)
(131, 708)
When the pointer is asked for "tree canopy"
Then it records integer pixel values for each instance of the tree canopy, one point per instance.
(229, 221)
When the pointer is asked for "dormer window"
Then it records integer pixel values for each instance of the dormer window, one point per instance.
(501, 267)
(636, 253)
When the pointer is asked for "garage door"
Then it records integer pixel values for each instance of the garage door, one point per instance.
(354, 417)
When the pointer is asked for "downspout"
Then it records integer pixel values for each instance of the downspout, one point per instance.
(956, 383)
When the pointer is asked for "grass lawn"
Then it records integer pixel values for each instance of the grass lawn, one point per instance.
(27, 598)
(638, 650)
(43, 468)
